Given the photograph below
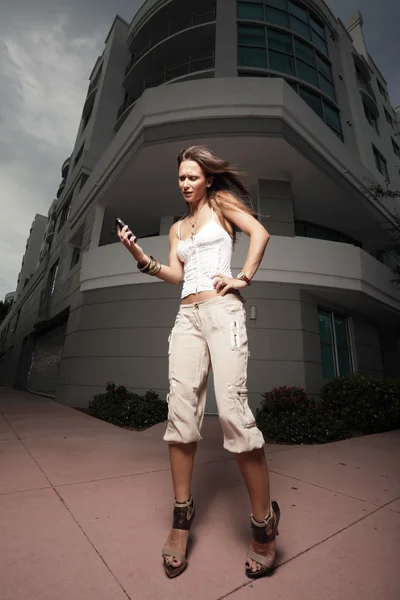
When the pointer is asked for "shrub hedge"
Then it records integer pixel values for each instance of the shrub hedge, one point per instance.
(349, 406)
(126, 409)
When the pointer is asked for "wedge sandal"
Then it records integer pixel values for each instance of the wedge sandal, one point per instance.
(182, 519)
(263, 533)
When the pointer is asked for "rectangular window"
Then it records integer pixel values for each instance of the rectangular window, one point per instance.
(300, 28)
(76, 253)
(298, 11)
(252, 57)
(277, 40)
(65, 212)
(335, 345)
(281, 62)
(388, 117)
(381, 89)
(313, 100)
(318, 27)
(319, 42)
(307, 73)
(326, 87)
(254, 12)
(381, 163)
(304, 52)
(371, 118)
(396, 148)
(324, 68)
(51, 282)
(282, 4)
(277, 16)
(250, 35)
(332, 117)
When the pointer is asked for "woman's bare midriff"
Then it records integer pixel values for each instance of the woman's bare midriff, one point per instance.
(201, 296)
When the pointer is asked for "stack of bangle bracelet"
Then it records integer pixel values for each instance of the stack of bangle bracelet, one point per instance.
(153, 267)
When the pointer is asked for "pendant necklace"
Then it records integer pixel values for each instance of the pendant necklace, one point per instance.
(192, 233)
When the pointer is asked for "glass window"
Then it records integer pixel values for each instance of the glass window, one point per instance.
(396, 148)
(332, 346)
(281, 62)
(307, 73)
(277, 16)
(319, 43)
(300, 27)
(250, 11)
(342, 346)
(318, 27)
(282, 4)
(325, 68)
(381, 163)
(326, 87)
(253, 57)
(388, 117)
(252, 36)
(304, 51)
(298, 11)
(332, 117)
(326, 342)
(313, 100)
(280, 41)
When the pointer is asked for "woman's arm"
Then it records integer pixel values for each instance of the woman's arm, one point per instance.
(170, 274)
(259, 238)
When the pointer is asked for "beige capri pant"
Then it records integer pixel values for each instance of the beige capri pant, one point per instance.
(212, 332)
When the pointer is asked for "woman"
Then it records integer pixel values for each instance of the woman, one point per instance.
(210, 329)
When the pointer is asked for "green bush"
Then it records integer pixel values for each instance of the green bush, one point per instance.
(126, 409)
(349, 406)
(289, 415)
(367, 404)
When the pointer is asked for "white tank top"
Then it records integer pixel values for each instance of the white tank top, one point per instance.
(208, 253)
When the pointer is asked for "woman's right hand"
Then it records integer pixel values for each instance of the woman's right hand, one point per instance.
(129, 241)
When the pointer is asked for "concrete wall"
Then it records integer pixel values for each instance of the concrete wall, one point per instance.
(276, 207)
(32, 252)
(367, 348)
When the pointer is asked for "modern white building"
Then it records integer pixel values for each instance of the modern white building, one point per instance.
(290, 94)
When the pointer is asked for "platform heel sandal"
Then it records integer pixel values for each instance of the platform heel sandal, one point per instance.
(263, 533)
(182, 519)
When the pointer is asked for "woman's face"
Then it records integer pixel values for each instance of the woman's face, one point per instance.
(192, 181)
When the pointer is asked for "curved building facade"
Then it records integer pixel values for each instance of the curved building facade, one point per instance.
(290, 94)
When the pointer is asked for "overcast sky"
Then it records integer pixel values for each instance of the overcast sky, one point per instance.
(47, 51)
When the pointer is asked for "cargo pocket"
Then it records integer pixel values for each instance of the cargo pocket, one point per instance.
(238, 331)
(240, 398)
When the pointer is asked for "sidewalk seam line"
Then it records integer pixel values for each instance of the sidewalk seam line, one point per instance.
(74, 519)
(308, 549)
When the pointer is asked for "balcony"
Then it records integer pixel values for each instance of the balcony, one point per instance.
(369, 95)
(50, 232)
(200, 66)
(61, 188)
(65, 167)
(169, 29)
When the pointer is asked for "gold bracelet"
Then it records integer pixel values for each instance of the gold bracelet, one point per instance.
(142, 268)
(155, 269)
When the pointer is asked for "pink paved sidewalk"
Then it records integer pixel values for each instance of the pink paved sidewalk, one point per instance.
(85, 508)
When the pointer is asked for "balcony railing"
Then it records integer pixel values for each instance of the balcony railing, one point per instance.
(65, 167)
(169, 29)
(61, 188)
(193, 65)
(366, 88)
(95, 82)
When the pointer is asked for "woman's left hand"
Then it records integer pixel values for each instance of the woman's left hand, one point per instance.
(222, 284)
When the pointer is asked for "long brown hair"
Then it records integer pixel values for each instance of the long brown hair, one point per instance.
(227, 189)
